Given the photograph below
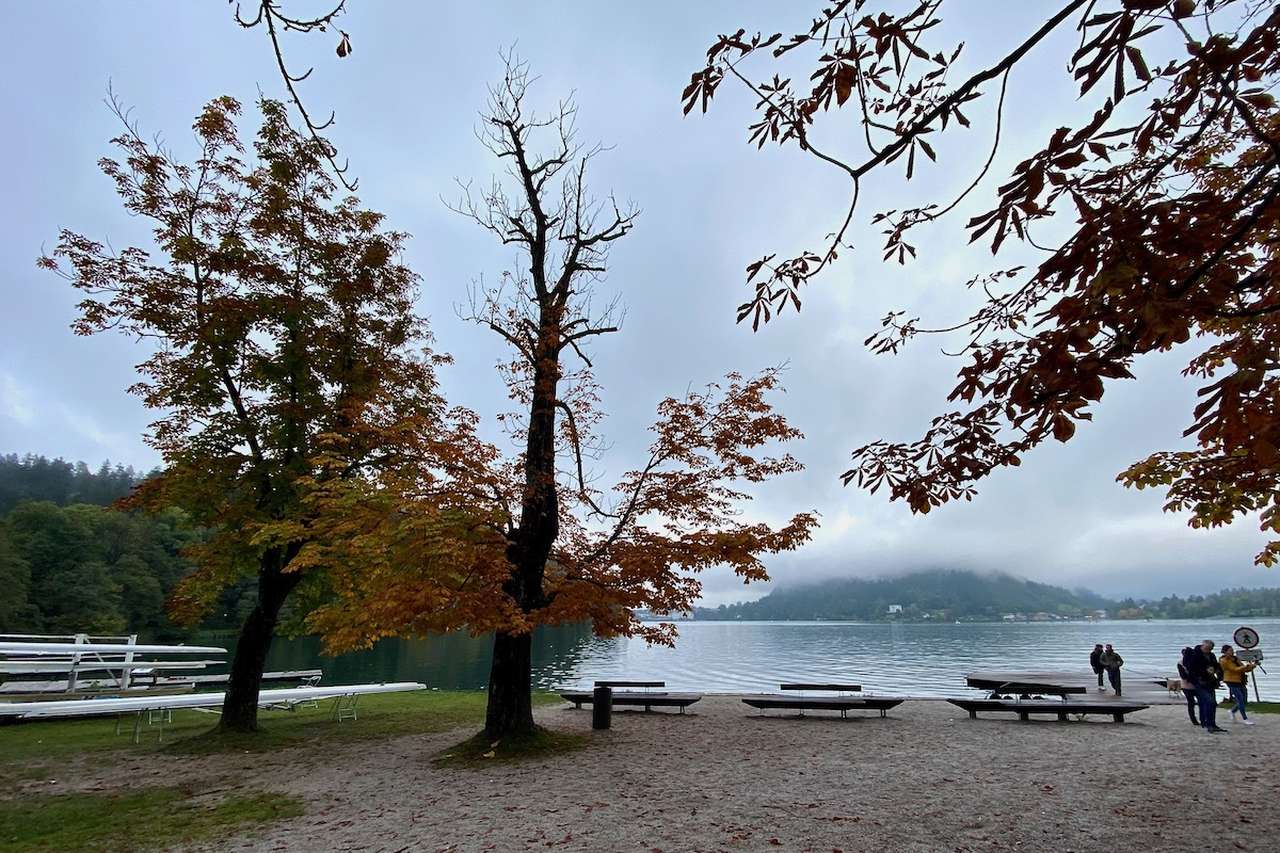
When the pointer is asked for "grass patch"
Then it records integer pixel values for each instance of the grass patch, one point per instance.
(27, 745)
(136, 820)
(481, 750)
(1263, 708)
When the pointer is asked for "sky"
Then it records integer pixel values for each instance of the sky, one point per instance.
(407, 101)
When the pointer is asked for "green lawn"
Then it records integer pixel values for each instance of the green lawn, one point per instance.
(151, 817)
(27, 749)
(131, 820)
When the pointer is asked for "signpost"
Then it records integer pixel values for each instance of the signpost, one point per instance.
(1247, 640)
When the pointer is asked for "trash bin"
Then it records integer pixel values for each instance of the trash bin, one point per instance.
(601, 707)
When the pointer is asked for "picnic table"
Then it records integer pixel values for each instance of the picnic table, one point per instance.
(1028, 690)
(1024, 683)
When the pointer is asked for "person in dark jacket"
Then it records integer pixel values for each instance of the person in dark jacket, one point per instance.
(1205, 674)
(1111, 662)
(1188, 689)
(1095, 661)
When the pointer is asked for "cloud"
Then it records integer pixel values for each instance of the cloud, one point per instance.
(15, 400)
(711, 204)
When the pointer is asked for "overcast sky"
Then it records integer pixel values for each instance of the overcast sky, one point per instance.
(406, 102)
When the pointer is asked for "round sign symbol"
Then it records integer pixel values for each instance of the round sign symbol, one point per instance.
(1246, 638)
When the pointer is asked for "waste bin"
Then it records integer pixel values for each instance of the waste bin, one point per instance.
(601, 707)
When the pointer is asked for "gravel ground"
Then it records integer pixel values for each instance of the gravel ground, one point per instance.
(721, 778)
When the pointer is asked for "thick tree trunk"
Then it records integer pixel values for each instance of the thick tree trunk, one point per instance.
(240, 706)
(510, 709)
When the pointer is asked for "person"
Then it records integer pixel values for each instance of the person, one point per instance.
(1205, 674)
(1235, 675)
(1095, 658)
(1188, 689)
(1111, 662)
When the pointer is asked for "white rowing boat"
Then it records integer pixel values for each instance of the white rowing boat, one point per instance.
(96, 665)
(78, 648)
(130, 705)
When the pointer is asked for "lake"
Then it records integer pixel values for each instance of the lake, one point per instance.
(920, 659)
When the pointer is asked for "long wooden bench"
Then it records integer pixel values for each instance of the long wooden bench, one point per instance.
(636, 699)
(1024, 708)
(800, 702)
(843, 704)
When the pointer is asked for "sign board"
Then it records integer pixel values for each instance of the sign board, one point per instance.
(1249, 655)
(1246, 638)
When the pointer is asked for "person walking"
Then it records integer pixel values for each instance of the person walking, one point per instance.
(1095, 661)
(1235, 675)
(1188, 690)
(1111, 662)
(1205, 674)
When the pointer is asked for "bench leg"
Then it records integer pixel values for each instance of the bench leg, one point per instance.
(844, 713)
(1024, 716)
(577, 705)
(1119, 718)
(973, 715)
(884, 712)
(1062, 716)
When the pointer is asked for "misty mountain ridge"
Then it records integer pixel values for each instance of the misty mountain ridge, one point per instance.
(953, 594)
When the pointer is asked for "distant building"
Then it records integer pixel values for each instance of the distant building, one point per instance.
(895, 608)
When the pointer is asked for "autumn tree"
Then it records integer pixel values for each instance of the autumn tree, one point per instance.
(539, 543)
(284, 354)
(1170, 186)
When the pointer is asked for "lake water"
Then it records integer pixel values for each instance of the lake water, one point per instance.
(919, 659)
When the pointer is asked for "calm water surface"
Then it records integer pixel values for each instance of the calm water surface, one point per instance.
(749, 656)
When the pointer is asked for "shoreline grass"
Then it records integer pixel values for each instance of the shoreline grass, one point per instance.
(26, 748)
(140, 819)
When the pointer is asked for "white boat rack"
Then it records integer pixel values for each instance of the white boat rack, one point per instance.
(74, 654)
(159, 709)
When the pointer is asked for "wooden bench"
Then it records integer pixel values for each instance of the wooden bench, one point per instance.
(844, 704)
(640, 699)
(1024, 708)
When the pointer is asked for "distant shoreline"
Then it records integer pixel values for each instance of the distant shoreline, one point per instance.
(1061, 621)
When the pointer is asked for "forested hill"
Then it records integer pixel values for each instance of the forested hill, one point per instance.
(38, 478)
(951, 595)
(69, 562)
(945, 595)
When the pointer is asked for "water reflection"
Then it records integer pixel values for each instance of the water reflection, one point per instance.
(748, 656)
(454, 661)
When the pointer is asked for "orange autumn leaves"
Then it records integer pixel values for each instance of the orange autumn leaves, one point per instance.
(440, 563)
(1167, 201)
(301, 424)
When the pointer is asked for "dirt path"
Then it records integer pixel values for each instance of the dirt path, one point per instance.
(926, 779)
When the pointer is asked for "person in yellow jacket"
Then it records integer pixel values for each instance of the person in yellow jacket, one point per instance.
(1235, 675)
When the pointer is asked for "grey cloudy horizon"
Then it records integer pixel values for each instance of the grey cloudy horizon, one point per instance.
(406, 103)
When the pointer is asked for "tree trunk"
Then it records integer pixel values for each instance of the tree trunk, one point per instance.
(510, 709)
(240, 706)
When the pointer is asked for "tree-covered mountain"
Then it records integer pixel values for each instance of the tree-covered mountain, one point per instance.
(38, 478)
(1229, 602)
(946, 595)
(941, 594)
(70, 562)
